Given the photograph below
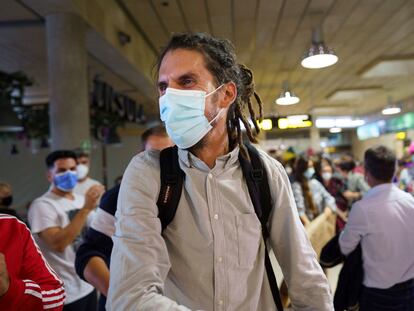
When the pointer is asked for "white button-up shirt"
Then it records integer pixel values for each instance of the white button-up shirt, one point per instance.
(211, 256)
(383, 222)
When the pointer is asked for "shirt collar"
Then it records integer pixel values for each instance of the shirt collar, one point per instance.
(378, 189)
(222, 162)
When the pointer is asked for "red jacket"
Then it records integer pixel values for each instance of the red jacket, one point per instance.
(33, 283)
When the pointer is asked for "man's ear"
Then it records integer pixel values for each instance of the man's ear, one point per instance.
(49, 175)
(230, 94)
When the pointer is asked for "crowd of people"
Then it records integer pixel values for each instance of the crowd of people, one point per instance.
(193, 220)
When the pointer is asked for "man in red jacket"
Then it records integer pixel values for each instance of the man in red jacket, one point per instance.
(27, 282)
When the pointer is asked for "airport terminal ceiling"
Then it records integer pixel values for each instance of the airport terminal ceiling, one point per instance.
(373, 39)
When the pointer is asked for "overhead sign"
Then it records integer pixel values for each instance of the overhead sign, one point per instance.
(397, 124)
(294, 122)
(286, 122)
(106, 98)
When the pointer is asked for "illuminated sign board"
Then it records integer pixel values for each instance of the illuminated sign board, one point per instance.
(287, 122)
(266, 124)
(294, 122)
(397, 124)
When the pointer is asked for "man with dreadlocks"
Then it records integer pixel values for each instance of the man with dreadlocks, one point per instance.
(211, 256)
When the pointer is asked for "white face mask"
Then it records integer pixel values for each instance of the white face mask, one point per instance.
(288, 170)
(82, 171)
(183, 114)
(309, 172)
(326, 176)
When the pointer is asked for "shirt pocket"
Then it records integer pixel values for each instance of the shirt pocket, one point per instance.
(249, 236)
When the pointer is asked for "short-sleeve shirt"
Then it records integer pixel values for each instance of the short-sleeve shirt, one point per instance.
(51, 210)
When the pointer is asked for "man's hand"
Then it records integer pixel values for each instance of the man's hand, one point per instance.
(92, 196)
(4, 276)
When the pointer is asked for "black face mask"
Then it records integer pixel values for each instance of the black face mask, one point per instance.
(7, 201)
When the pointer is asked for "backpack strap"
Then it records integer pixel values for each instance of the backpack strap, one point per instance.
(172, 178)
(259, 190)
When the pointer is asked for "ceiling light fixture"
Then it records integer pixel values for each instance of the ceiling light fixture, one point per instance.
(287, 97)
(335, 130)
(391, 108)
(318, 55)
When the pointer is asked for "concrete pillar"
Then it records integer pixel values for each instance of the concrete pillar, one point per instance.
(68, 84)
(315, 139)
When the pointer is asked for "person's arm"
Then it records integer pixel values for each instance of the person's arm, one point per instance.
(355, 229)
(362, 185)
(93, 255)
(58, 238)
(300, 203)
(96, 273)
(139, 260)
(328, 199)
(37, 287)
(308, 286)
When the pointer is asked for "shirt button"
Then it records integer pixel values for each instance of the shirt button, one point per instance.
(215, 216)
(210, 176)
(220, 259)
(220, 302)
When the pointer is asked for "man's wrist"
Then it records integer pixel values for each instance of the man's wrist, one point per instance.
(85, 210)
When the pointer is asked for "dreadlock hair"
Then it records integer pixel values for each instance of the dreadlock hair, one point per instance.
(301, 165)
(220, 59)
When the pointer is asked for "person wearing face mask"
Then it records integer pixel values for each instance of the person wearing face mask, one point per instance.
(6, 200)
(310, 195)
(335, 186)
(57, 219)
(212, 255)
(355, 183)
(82, 168)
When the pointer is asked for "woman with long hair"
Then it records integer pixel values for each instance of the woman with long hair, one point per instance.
(311, 197)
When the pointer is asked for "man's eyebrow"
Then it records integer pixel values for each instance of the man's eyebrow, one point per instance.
(189, 75)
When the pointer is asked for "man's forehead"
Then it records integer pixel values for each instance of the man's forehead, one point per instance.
(65, 162)
(181, 62)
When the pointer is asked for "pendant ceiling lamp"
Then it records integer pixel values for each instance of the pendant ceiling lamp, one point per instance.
(287, 97)
(391, 108)
(318, 55)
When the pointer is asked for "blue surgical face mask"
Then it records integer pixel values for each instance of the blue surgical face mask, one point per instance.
(183, 114)
(65, 181)
(309, 172)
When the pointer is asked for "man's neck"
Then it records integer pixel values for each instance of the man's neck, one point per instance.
(67, 195)
(375, 183)
(82, 180)
(216, 145)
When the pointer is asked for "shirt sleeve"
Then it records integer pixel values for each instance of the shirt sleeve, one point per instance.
(362, 184)
(140, 261)
(308, 286)
(355, 229)
(328, 199)
(299, 199)
(37, 287)
(42, 215)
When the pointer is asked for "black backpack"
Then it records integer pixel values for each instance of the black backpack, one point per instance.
(172, 178)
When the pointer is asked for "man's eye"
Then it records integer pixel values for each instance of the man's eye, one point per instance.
(162, 87)
(187, 81)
